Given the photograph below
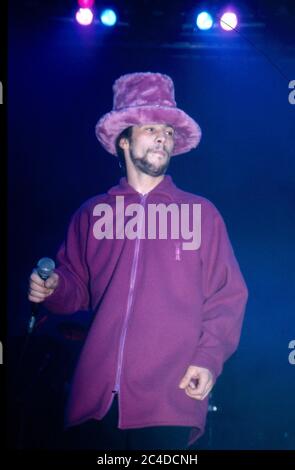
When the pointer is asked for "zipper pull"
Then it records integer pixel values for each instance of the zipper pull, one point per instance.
(177, 252)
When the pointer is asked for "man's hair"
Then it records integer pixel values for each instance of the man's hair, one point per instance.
(125, 134)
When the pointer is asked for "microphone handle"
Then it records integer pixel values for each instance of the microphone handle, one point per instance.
(32, 321)
(35, 308)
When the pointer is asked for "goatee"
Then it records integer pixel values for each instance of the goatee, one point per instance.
(149, 168)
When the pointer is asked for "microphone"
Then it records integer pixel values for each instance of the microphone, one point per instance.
(44, 269)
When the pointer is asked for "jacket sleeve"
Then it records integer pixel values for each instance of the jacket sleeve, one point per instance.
(72, 292)
(224, 296)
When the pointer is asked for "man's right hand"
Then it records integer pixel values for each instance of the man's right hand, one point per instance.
(39, 289)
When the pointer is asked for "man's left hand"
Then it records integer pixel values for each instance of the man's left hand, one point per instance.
(197, 382)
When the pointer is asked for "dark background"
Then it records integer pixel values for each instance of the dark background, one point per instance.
(236, 86)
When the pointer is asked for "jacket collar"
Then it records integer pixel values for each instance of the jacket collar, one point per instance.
(165, 187)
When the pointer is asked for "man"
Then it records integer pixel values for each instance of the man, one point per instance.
(168, 312)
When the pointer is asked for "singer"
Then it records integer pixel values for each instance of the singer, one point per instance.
(165, 319)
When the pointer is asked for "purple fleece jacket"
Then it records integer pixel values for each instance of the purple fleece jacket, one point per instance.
(157, 309)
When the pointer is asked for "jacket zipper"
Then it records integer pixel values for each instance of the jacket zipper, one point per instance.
(129, 303)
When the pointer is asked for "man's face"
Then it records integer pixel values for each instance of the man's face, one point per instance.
(150, 148)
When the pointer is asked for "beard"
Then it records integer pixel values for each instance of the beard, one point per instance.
(150, 168)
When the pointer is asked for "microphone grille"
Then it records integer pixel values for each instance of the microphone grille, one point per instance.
(45, 267)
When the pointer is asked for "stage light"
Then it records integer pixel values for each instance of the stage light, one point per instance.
(86, 3)
(84, 16)
(228, 21)
(108, 17)
(204, 20)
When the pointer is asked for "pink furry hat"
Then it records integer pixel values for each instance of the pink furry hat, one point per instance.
(146, 98)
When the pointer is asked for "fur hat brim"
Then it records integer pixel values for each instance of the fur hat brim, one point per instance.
(187, 133)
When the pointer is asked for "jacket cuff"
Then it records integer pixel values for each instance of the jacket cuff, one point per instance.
(202, 359)
(52, 302)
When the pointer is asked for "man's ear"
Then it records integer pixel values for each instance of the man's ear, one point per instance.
(124, 143)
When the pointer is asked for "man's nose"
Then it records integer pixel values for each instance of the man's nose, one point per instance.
(161, 136)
